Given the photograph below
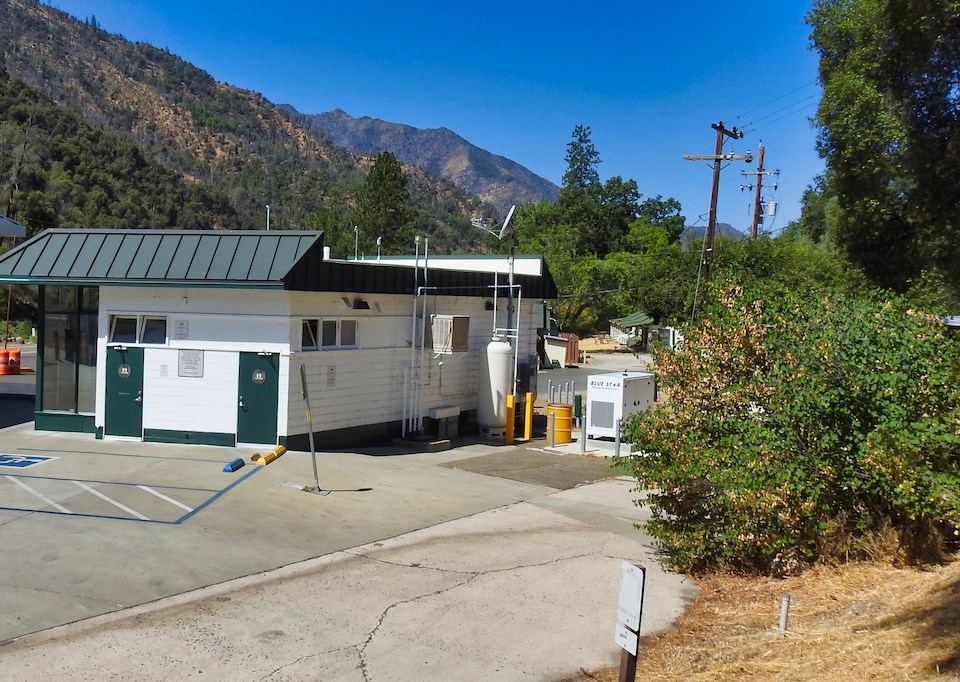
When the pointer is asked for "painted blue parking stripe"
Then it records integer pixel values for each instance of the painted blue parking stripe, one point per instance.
(219, 494)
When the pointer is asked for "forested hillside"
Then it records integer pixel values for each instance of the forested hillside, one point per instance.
(57, 169)
(229, 145)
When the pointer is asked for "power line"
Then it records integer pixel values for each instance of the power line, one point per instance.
(775, 99)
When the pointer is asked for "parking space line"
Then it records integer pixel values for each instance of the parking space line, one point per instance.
(58, 509)
(38, 494)
(164, 497)
(112, 501)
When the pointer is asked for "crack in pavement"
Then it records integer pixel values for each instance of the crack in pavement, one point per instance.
(306, 657)
(364, 670)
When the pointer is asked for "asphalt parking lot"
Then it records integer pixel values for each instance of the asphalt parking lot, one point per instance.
(119, 548)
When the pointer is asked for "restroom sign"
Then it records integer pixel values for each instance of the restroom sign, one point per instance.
(124, 371)
(259, 376)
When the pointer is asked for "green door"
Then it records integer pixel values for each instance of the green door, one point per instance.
(124, 404)
(259, 392)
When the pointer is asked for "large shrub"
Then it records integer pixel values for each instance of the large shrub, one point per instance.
(797, 425)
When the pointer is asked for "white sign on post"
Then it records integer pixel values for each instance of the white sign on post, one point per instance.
(627, 640)
(629, 605)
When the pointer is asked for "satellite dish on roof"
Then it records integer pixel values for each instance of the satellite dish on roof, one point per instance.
(506, 223)
(504, 228)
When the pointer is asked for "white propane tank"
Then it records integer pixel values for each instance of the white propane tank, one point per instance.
(495, 384)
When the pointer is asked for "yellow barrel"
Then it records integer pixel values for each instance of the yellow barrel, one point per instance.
(4, 361)
(13, 366)
(562, 422)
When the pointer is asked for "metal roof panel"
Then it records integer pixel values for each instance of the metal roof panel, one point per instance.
(86, 255)
(223, 256)
(163, 260)
(264, 258)
(126, 252)
(243, 258)
(146, 252)
(203, 255)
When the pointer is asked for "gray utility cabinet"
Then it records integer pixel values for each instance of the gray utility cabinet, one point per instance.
(615, 396)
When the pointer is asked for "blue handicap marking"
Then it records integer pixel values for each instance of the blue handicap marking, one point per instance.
(22, 461)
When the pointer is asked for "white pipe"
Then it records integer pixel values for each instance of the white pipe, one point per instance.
(423, 332)
(516, 342)
(403, 427)
(413, 326)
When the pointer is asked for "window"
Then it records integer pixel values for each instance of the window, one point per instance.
(123, 330)
(348, 332)
(328, 334)
(138, 328)
(308, 336)
(154, 330)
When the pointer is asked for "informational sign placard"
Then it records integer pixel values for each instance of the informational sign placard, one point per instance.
(181, 331)
(190, 364)
(630, 602)
(627, 640)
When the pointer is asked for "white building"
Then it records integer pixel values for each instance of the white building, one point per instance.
(203, 336)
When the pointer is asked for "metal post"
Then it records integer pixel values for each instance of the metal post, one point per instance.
(511, 420)
(550, 437)
(313, 451)
(550, 390)
(583, 433)
(784, 611)
(528, 417)
(616, 442)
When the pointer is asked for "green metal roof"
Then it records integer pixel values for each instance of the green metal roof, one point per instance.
(209, 258)
(636, 319)
(92, 257)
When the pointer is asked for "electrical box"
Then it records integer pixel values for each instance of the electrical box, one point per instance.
(615, 396)
(450, 334)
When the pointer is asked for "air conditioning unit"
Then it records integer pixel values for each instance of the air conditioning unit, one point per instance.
(450, 333)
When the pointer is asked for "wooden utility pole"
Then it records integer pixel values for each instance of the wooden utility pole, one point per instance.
(716, 157)
(756, 199)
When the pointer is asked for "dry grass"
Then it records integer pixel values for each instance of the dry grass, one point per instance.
(866, 621)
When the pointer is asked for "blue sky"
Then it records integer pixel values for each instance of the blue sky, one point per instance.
(648, 78)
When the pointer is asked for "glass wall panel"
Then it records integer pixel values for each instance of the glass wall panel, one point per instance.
(59, 365)
(87, 365)
(69, 349)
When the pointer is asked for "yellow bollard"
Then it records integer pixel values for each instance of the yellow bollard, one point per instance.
(511, 420)
(270, 456)
(528, 417)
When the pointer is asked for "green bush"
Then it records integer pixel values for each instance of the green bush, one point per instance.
(798, 425)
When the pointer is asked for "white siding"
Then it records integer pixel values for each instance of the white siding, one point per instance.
(175, 403)
(350, 388)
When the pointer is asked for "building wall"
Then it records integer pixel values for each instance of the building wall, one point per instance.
(349, 387)
(220, 322)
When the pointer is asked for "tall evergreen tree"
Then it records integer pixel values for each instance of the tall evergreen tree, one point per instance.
(384, 208)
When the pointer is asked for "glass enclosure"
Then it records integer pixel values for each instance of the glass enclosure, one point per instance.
(69, 329)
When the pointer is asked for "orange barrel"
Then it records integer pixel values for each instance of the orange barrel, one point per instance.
(562, 422)
(4, 361)
(14, 364)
